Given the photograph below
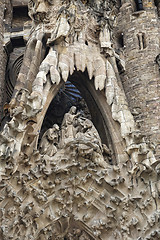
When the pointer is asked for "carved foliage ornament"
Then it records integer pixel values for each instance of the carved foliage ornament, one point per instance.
(66, 189)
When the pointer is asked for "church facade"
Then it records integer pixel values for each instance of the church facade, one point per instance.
(80, 119)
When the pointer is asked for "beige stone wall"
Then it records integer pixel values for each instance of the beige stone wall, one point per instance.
(142, 76)
(69, 184)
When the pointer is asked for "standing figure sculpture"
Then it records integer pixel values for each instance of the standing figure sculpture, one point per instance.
(67, 128)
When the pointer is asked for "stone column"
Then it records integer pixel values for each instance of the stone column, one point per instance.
(142, 76)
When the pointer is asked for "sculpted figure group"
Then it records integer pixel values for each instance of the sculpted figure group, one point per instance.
(76, 132)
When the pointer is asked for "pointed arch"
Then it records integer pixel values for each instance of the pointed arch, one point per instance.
(109, 130)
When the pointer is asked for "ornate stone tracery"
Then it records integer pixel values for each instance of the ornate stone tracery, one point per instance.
(65, 187)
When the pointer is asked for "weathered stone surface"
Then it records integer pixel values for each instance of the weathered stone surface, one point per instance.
(68, 183)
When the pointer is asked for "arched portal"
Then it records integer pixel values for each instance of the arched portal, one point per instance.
(109, 130)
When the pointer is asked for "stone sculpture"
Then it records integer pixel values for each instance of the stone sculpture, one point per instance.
(49, 141)
(67, 131)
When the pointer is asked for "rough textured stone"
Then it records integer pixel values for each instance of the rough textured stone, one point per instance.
(69, 182)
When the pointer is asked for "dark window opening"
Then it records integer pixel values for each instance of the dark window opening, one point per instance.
(20, 12)
(20, 16)
(119, 66)
(18, 42)
(141, 41)
(120, 40)
(86, 42)
(5, 12)
(139, 5)
(144, 40)
(119, 3)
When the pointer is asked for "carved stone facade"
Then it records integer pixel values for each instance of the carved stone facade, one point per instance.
(79, 140)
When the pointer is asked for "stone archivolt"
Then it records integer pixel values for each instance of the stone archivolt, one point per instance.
(66, 188)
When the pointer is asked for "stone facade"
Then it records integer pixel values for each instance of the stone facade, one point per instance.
(79, 140)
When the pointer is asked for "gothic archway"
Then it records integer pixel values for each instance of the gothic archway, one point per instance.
(108, 129)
